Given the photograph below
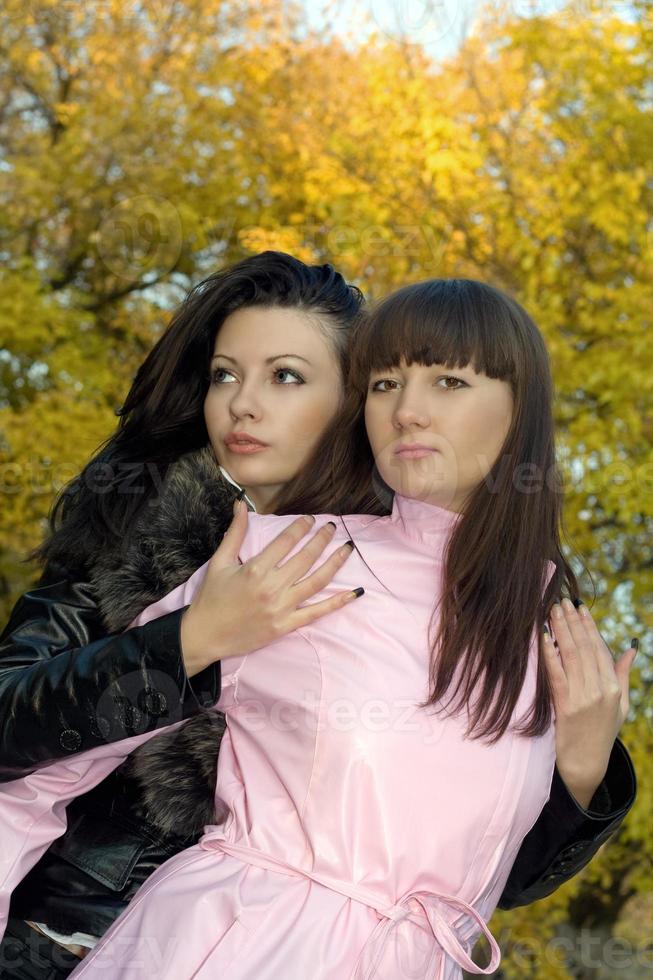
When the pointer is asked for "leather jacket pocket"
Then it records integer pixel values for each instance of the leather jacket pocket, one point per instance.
(105, 850)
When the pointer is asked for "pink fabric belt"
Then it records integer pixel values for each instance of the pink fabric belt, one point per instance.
(428, 914)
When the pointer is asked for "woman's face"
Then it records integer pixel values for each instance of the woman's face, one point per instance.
(461, 416)
(275, 377)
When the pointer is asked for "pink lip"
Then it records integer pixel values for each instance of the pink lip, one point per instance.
(238, 438)
(414, 450)
(242, 444)
(245, 448)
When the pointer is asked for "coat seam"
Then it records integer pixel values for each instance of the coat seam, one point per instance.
(319, 719)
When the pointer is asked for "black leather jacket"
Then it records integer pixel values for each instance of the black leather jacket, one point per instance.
(70, 680)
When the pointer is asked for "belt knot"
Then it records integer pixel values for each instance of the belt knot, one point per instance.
(423, 908)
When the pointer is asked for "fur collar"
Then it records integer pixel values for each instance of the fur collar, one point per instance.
(178, 531)
(173, 776)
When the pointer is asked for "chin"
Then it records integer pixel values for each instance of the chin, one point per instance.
(247, 473)
(424, 488)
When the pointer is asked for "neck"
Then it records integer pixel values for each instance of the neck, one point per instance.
(251, 497)
(263, 498)
(444, 503)
(445, 500)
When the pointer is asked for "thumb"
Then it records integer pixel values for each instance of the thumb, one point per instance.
(227, 551)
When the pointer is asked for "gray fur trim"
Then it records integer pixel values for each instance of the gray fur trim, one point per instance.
(178, 531)
(176, 775)
(175, 772)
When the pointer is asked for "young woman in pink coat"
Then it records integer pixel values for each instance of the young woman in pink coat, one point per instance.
(366, 836)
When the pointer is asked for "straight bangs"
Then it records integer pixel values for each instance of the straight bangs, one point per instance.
(453, 322)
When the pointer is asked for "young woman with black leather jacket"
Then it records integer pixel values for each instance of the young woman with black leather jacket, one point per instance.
(71, 679)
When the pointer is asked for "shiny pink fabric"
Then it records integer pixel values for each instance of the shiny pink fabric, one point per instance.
(365, 836)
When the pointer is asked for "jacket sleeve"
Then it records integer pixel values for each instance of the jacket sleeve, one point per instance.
(66, 686)
(565, 837)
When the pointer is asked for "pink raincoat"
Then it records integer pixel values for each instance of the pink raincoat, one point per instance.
(365, 836)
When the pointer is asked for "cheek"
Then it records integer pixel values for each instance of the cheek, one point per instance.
(378, 424)
(207, 409)
(504, 413)
(492, 426)
(212, 410)
(382, 435)
(213, 423)
(371, 425)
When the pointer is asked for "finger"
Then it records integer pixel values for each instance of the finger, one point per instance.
(295, 568)
(227, 551)
(575, 650)
(314, 583)
(622, 670)
(554, 667)
(315, 610)
(270, 556)
(604, 656)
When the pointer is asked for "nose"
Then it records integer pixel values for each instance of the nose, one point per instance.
(245, 403)
(409, 412)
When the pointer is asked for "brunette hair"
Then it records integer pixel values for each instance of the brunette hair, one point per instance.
(162, 416)
(497, 554)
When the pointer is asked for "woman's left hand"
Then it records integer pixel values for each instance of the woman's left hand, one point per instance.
(591, 697)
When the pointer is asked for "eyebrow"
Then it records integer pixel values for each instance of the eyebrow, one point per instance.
(268, 360)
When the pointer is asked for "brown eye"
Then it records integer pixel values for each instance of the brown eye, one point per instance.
(451, 377)
(382, 381)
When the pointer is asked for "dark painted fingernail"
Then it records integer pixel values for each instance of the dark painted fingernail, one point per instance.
(577, 602)
(350, 543)
(545, 629)
(635, 643)
(358, 592)
(240, 494)
(332, 523)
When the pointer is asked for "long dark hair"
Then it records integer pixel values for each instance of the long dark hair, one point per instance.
(496, 556)
(162, 416)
